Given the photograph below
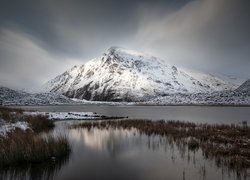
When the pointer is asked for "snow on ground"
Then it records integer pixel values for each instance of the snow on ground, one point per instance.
(6, 128)
(66, 115)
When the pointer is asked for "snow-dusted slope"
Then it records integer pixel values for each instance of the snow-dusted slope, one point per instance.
(126, 75)
(245, 87)
(214, 98)
(14, 97)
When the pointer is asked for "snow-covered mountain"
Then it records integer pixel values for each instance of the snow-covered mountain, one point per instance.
(126, 75)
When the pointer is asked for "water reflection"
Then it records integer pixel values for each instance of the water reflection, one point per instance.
(38, 171)
(127, 154)
(113, 141)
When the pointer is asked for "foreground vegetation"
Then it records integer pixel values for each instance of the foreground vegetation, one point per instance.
(21, 147)
(228, 144)
(26, 147)
(37, 123)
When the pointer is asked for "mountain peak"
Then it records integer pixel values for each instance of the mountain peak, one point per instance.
(113, 49)
(126, 75)
(123, 52)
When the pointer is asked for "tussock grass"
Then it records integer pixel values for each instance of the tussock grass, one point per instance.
(27, 147)
(228, 144)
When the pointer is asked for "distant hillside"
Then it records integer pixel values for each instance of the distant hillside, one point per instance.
(13, 97)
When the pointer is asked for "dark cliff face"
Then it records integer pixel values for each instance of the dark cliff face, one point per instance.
(108, 94)
(86, 92)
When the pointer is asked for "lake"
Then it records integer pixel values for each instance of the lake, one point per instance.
(124, 154)
(127, 154)
(197, 114)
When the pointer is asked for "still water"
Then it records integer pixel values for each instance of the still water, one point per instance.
(124, 154)
(198, 114)
(127, 154)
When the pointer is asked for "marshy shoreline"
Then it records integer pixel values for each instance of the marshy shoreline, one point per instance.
(131, 105)
(228, 145)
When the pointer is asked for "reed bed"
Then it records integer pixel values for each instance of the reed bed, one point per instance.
(228, 144)
(27, 147)
(22, 147)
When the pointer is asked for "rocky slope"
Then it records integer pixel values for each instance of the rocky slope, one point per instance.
(125, 75)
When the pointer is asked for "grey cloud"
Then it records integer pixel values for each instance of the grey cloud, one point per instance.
(78, 27)
(40, 39)
(210, 35)
(26, 64)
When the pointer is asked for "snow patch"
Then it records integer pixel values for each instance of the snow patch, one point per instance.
(66, 115)
(8, 127)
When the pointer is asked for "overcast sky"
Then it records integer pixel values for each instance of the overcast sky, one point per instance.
(40, 39)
